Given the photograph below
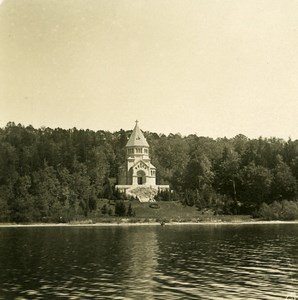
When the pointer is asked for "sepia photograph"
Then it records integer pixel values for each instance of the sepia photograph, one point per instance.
(149, 149)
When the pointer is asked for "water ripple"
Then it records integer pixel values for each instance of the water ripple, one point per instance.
(173, 262)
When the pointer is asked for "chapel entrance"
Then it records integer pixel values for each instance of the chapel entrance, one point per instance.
(141, 177)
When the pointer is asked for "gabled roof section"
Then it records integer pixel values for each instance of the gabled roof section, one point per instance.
(151, 166)
(137, 138)
(142, 163)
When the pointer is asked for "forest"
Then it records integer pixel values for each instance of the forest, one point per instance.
(49, 174)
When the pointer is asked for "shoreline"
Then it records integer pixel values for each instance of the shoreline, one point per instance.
(122, 224)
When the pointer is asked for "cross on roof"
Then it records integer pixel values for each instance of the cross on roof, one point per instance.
(137, 138)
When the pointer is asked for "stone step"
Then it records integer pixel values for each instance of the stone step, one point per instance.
(144, 194)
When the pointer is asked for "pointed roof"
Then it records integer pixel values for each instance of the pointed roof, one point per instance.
(137, 138)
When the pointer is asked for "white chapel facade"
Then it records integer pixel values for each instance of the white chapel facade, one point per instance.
(137, 169)
(137, 176)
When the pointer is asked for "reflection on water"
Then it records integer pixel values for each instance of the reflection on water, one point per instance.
(148, 262)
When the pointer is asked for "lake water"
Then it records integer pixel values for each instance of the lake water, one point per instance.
(150, 262)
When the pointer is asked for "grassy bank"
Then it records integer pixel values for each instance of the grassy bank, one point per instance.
(164, 211)
(144, 213)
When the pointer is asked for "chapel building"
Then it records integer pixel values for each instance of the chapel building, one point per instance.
(137, 176)
(137, 169)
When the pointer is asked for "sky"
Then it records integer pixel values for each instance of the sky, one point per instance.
(208, 67)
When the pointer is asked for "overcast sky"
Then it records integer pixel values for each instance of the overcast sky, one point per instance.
(212, 67)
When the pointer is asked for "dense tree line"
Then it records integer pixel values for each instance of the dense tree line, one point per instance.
(54, 174)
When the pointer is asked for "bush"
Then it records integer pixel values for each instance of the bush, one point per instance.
(120, 209)
(154, 205)
(284, 210)
(104, 209)
(163, 195)
(130, 211)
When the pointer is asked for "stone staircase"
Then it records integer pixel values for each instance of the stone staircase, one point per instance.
(144, 193)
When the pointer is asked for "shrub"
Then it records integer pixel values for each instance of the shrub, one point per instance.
(284, 210)
(104, 209)
(120, 209)
(130, 211)
(154, 205)
(163, 195)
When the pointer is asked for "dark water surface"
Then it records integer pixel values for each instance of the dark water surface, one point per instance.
(150, 262)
